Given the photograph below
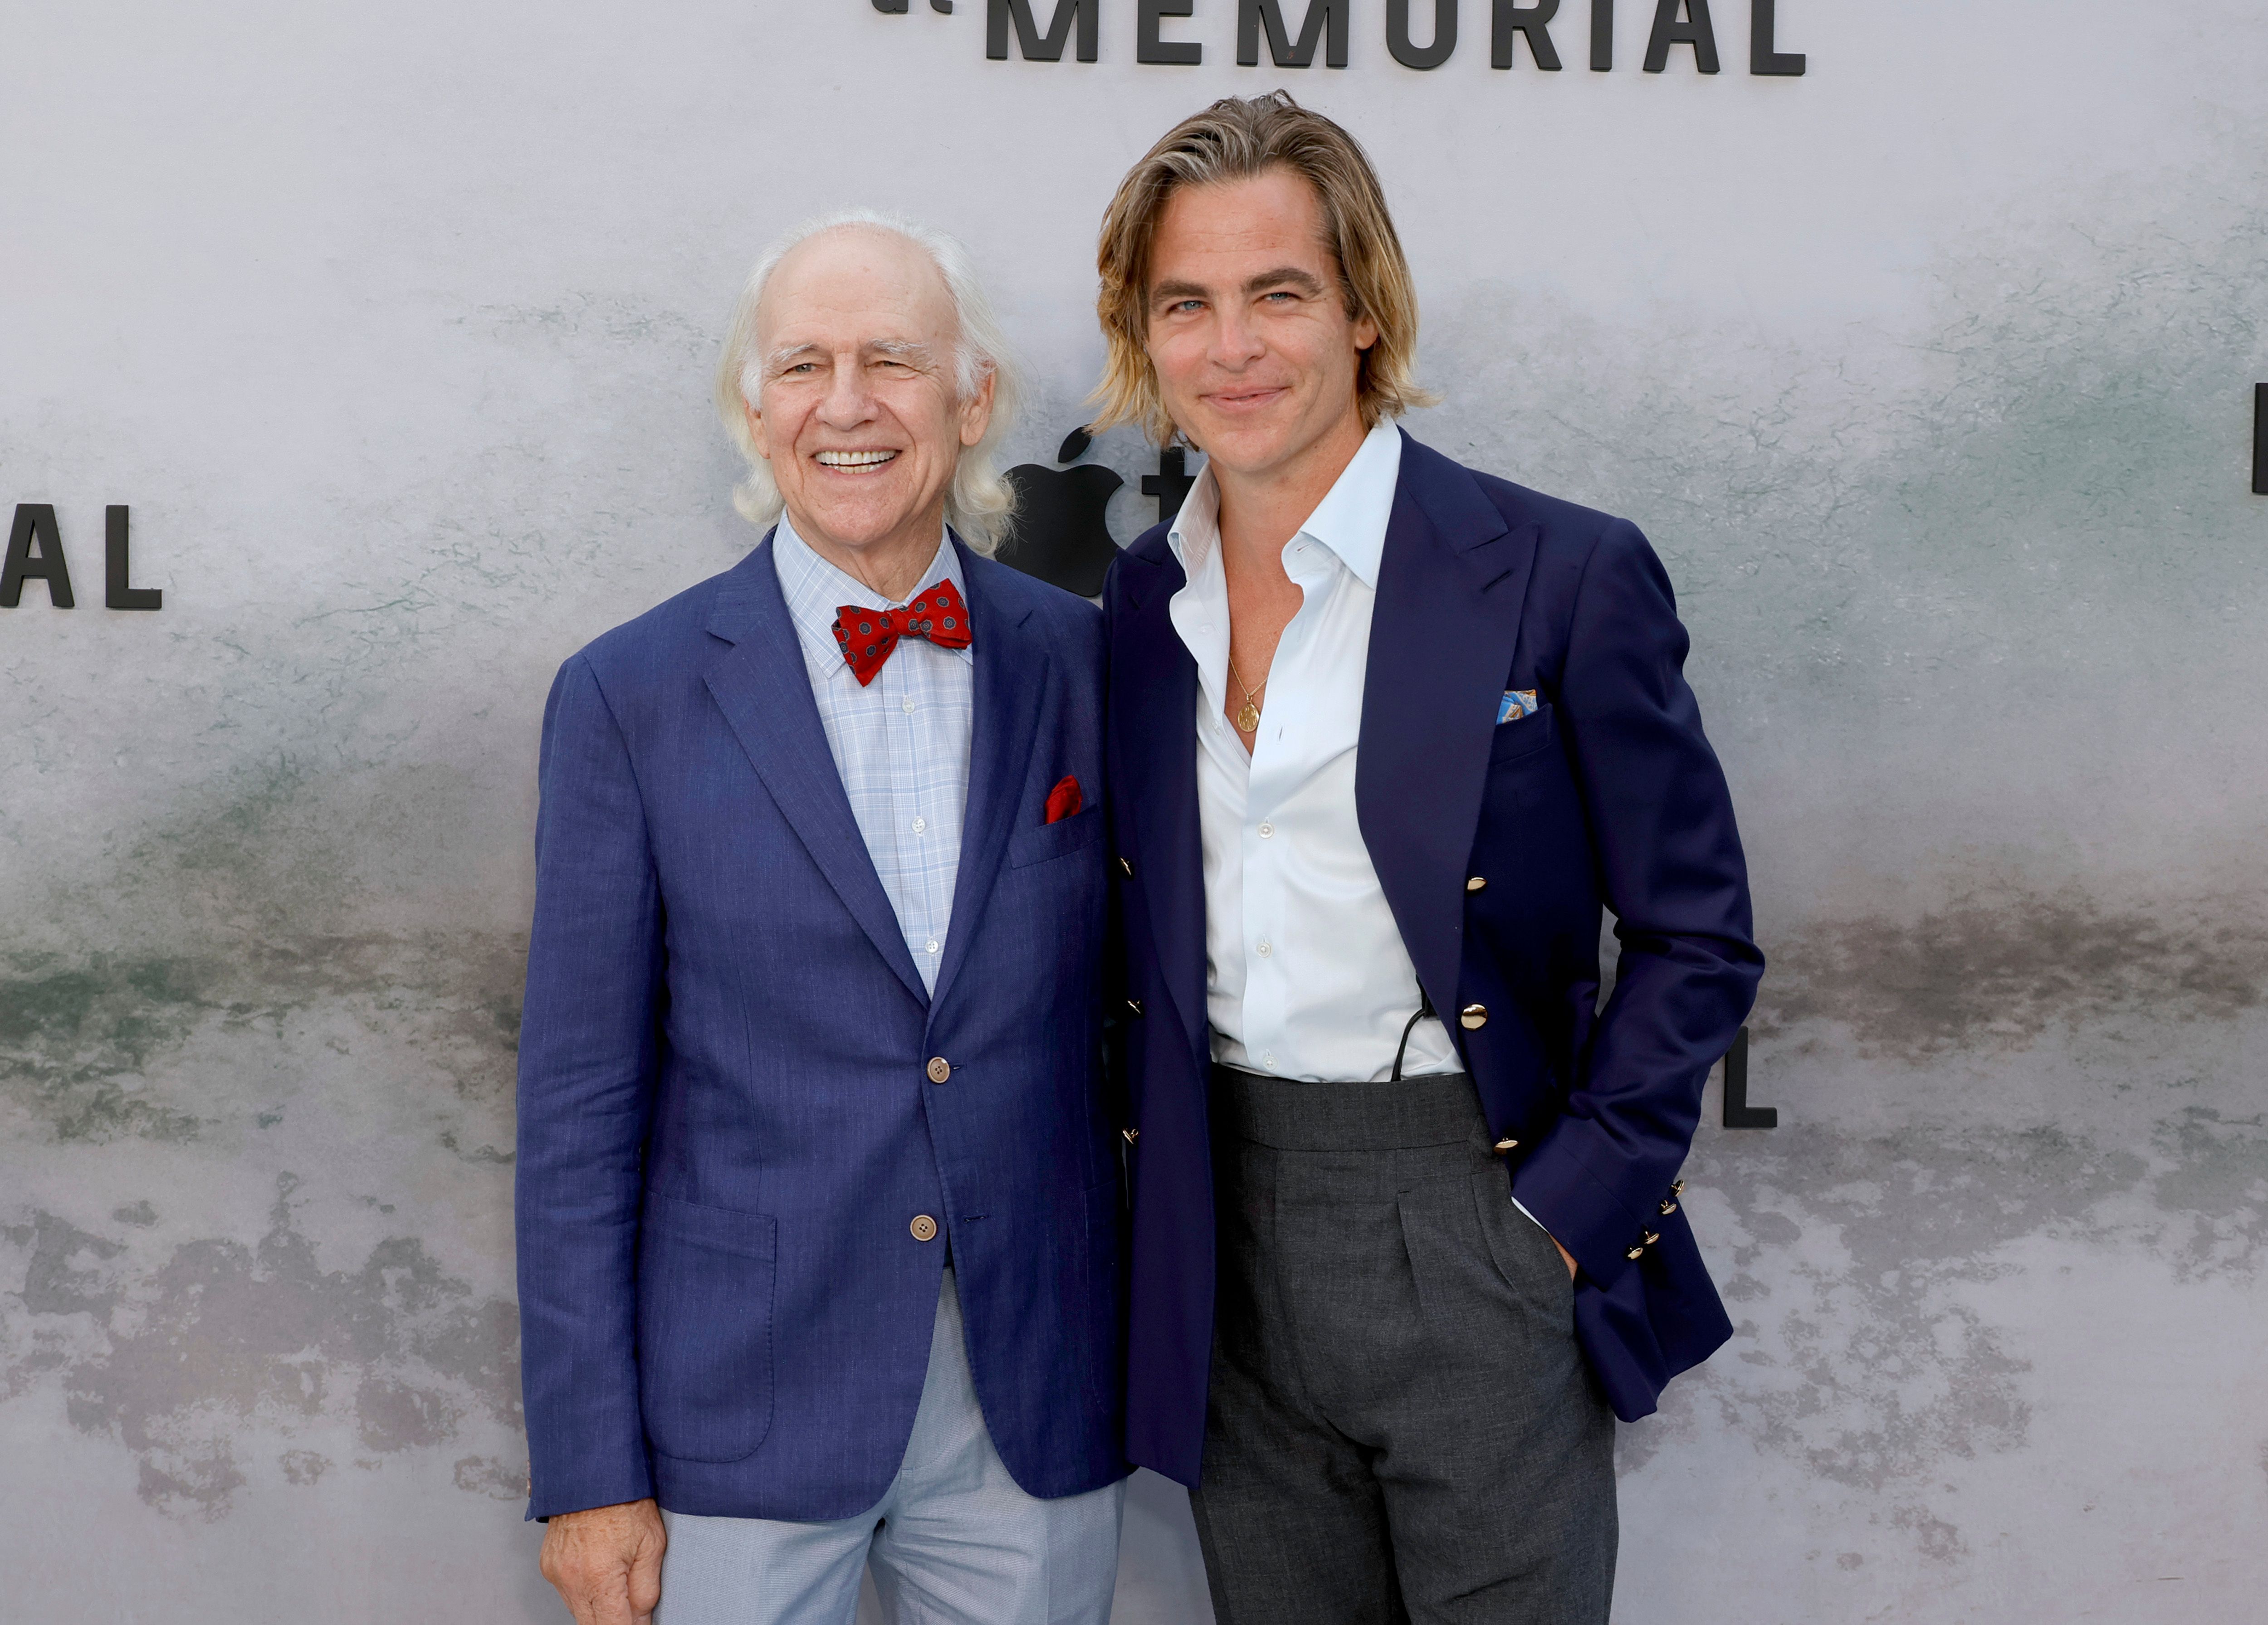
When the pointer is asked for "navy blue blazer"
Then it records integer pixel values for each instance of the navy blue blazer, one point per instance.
(726, 1121)
(1609, 795)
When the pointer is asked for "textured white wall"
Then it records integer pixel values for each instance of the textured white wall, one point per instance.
(1929, 373)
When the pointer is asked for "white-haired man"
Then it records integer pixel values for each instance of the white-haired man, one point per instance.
(817, 1198)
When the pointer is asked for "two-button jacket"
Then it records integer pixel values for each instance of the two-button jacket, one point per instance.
(749, 1134)
(1609, 795)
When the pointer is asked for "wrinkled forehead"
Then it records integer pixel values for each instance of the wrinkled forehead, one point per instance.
(856, 285)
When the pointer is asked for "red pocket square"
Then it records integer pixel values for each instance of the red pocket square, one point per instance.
(1065, 799)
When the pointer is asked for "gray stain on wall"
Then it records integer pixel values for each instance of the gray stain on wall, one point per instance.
(222, 1338)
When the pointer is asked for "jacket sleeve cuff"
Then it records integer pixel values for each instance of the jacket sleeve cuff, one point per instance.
(583, 1491)
(1584, 1213)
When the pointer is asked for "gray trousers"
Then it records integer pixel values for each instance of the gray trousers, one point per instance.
(954, 1540)
(1401, 1428)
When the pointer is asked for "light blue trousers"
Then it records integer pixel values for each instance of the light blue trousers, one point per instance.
(953, 1541)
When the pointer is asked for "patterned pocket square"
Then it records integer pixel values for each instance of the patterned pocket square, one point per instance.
(1518, 703)
(1065, 799)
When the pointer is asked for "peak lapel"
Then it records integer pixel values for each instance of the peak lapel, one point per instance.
(1008, 681)
(762, 686)
(1450, 586)
(1153, 700)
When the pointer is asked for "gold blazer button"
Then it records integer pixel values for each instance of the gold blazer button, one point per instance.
(1503, 1146)
(940, 1070)
(1473, 1016)
(1478, 883)
(925, 1228)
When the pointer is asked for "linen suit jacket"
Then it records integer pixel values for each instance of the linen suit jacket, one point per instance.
(727, 1120)
(1609, 795)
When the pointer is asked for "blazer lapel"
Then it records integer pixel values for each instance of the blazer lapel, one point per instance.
(1154, 683)
(1010, 682)
(763, 689)
(1443, 631)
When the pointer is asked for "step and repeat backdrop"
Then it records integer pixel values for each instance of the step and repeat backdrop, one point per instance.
(354, 371)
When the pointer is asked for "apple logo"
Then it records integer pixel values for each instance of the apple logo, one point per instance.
(1059, 534)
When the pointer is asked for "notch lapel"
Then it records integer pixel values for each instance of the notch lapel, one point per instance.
(1443, 631)
(1008, 681)
(1153, 699)
(764, 689)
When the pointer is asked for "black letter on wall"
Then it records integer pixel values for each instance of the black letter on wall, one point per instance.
(1398, 34)
(1049, 50)
(1251, 15)
(116, 593)
(1763, 59)
(1148, 48)
(891, 8)
(2259, 441)
(1668, 31)
(1602, 36)
(35, 521)
(1532, 20)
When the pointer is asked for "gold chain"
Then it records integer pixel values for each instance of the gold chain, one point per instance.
(1247, 720)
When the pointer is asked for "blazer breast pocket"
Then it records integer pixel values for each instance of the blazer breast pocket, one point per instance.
(1531, 733)
(704, 1328)
(1043, 843)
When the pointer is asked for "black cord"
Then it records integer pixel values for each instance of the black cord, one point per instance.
(1425, 1009)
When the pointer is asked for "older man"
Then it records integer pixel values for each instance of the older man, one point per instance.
(819, 1204)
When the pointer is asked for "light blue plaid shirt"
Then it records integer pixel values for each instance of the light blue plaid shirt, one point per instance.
(901, 743)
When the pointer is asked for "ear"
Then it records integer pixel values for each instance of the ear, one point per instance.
(756, 433)
(977, 411)
(1365, 334)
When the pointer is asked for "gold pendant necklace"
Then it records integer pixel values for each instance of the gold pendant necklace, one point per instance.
(1247, 720)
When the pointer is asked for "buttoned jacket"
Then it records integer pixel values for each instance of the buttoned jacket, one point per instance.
(1498, 847)
(748, 1133)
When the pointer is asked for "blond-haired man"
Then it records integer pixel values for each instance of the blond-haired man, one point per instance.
(1385, 734)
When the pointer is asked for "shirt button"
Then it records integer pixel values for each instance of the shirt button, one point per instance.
(1267, 830)
(1206, 629)
(929, 946)
(907, 706)
(1268, 1059)
(920, 824)
(923, 1227)
(1264, 950)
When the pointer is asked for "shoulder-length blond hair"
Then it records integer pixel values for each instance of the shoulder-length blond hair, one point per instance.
(1236, 139)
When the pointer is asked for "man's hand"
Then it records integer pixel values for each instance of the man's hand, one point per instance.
(1565, 1257)
(606, 1562)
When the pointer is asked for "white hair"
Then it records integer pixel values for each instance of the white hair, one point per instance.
(979, 502)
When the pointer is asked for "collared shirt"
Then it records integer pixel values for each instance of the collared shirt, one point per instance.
(901, 743)
(1307, 976)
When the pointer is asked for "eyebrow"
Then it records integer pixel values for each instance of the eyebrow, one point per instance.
(1283, 275)
(901, 349)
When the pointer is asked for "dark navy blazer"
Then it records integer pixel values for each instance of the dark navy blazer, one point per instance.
(726, 1123)
(1609, 795)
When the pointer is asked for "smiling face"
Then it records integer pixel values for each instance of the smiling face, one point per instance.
(858, 413)
(1256, 360)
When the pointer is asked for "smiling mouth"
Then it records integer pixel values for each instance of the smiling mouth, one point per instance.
(856, 463)
(1244, 400)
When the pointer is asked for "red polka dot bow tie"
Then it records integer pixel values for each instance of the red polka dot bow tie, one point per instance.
(868, 636)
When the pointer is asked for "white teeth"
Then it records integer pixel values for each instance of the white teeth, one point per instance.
(853, 460)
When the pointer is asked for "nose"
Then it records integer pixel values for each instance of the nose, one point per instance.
(850, 401)
(1236, 340)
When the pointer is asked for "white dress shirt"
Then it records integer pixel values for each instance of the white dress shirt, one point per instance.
(1307, 976)
(901, 743)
